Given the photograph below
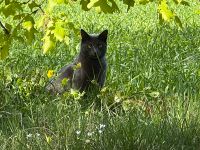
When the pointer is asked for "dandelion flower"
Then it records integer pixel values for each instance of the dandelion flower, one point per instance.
(50, 73)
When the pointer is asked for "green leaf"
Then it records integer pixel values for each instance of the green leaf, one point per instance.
(197, 12)
(40, 22)
(8, 27)
(185, 3)
(178, 21)
(59, 33)
(130, 3)
(30, 35)
(59, 1)
(84, 4)
(176, 1)
(33, 5)
(91, 4)
(165, 12)
(27, 25)
(105, 6)
(11, 9)
(29, 18)
(7, 2)
(144, 2)
(18, 17)
(50, 6)
(48, 44)
(4, 51)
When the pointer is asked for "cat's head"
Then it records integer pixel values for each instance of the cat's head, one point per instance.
(94, 46)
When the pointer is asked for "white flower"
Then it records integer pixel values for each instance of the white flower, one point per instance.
(37, 134)
(29, 135)
(90, 133)
(87, 141)
(100, 131)
(101, 126)
(78, 132)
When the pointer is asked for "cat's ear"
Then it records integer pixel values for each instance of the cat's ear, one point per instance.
(103, 36)
(84, 35)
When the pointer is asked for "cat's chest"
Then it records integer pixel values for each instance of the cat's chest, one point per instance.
(92, 69)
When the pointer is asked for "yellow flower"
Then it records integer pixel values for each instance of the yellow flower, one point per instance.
(50, 73)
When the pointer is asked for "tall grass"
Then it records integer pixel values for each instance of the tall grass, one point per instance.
(150, 99)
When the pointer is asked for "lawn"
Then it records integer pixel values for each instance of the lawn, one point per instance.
(151, 98)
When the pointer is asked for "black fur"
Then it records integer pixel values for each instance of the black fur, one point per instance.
(93, 65)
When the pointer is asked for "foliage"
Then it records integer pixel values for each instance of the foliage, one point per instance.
(150, 99)
(22, 21)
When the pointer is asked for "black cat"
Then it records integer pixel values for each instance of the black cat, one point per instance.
(92, 62)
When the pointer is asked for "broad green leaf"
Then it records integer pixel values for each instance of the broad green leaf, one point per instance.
(11, 9)
(50, 24)
(18, 17)
(30, 35)
(176, 1)
(178, 21)
(8, 10)
(29, 18)
(105, 6)
(98, 9)
(197, 12)
(17, 35)
(185, 3)
(59, 33)
(7, 2)
(32, 5)
(144, 2)
(48, 44)
(4, 51)
(84, 4)
(91, 4)
(40, 22)
(165, 12)
(59, 1)
(51, 4)
(130, 3)
(27, 25)
(8, 27)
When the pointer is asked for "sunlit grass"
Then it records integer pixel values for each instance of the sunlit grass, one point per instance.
(150, 99)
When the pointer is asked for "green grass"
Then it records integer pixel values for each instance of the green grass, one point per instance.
(150, 100)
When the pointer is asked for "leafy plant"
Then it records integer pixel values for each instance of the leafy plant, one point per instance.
(22, 21)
